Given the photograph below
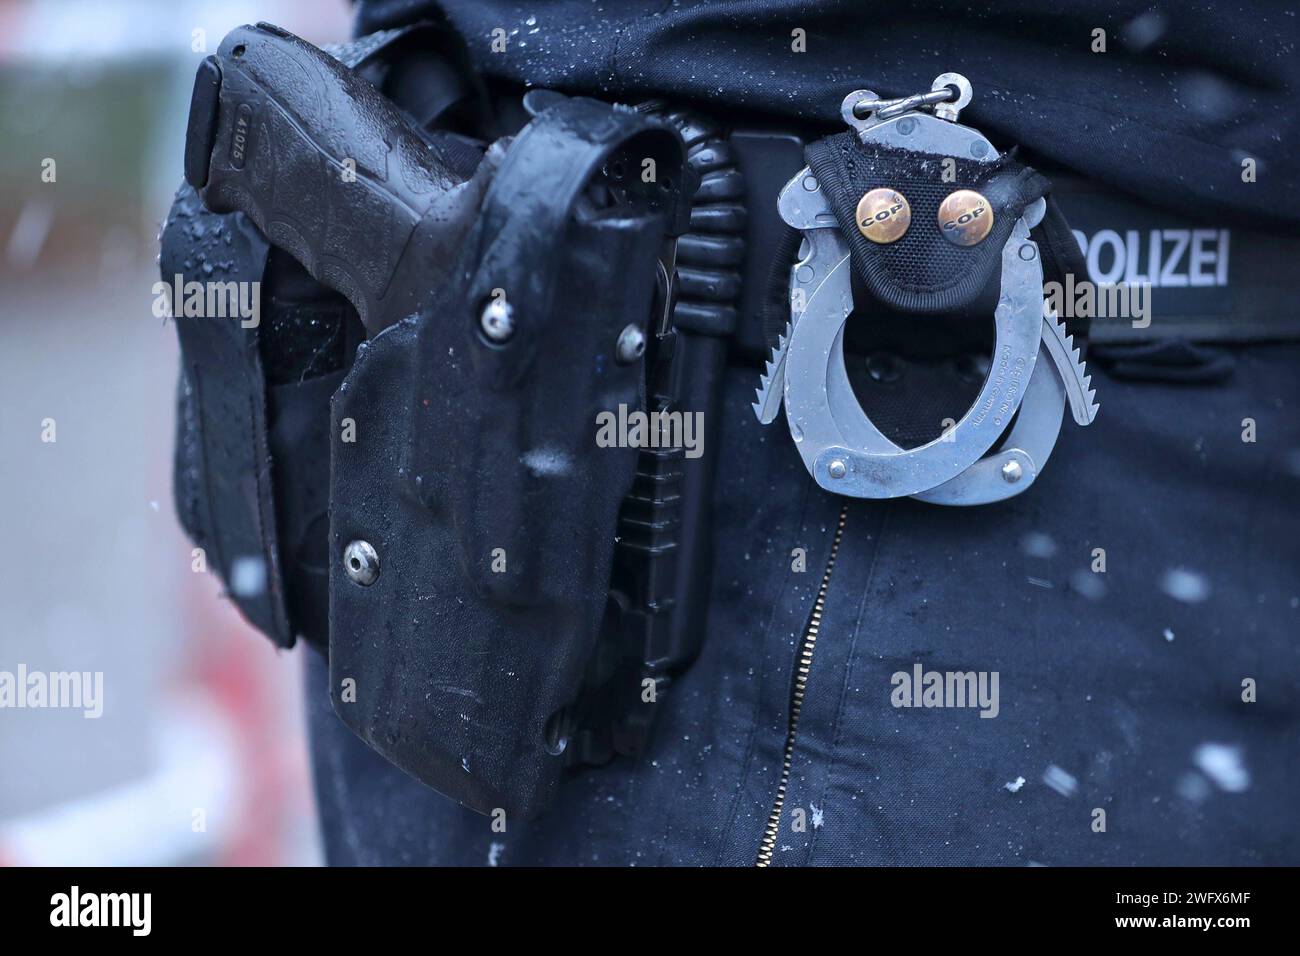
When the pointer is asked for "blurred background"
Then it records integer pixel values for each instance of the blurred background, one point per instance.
(200, 755)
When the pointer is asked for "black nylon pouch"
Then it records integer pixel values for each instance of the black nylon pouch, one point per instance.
(475, 472)
(923, 272)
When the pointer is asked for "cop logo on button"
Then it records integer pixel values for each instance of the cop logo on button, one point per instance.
(884, 215)
(965, 218)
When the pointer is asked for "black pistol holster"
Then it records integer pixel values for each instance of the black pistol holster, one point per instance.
(490, 504)
(431, 503)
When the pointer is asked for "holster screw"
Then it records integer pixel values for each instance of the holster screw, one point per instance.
(631, 345)
(497, 321)
(361, 562)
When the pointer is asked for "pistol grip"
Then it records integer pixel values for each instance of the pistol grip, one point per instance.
(328, 168)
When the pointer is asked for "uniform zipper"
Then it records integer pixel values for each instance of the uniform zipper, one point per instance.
(803, 666)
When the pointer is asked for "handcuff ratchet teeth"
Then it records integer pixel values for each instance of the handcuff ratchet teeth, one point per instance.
(841, 447)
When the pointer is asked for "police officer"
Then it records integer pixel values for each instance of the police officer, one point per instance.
(1098, 671)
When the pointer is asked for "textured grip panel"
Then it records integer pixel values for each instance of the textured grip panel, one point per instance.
(326, 166)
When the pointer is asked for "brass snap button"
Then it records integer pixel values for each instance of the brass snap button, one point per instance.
(965, 218)
(884, 215)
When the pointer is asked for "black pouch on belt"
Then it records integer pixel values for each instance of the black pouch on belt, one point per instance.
(923, 273)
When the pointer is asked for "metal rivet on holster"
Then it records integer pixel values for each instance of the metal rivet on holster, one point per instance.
(630, 345)
(498, 321)
(361, 562)
(884, 215)
(965, 217)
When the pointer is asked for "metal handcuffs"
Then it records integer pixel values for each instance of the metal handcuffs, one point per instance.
(839, 444)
